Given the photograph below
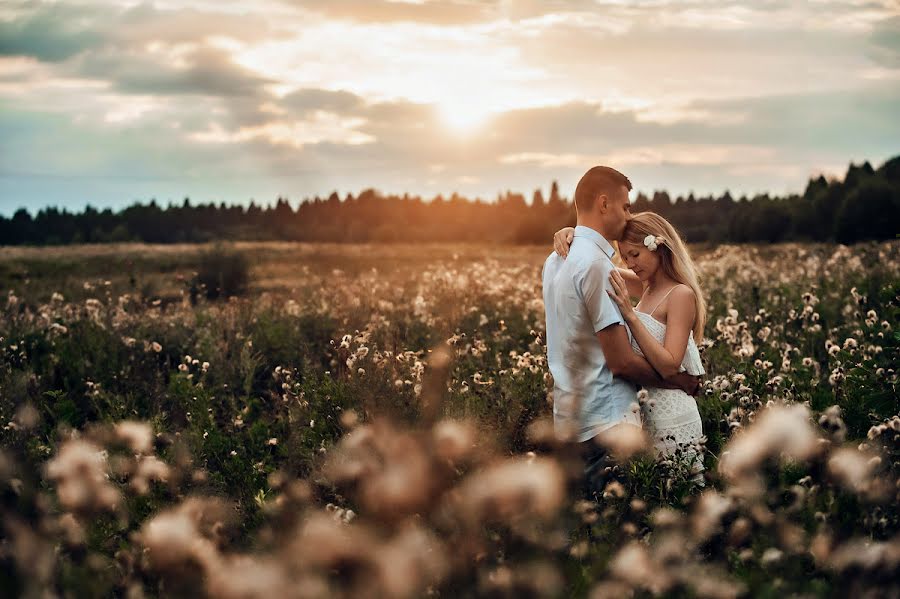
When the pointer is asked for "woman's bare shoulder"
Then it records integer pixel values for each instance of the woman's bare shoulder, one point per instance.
(681, 298)
(682, 292)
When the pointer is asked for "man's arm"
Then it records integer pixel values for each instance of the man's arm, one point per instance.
(622, 360)
(626, 364)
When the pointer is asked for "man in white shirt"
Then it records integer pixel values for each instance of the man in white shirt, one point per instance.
(589, 352)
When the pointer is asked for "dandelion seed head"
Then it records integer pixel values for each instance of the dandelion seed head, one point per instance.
(513, 489)
(138, 436)
(851, 468)
(777, 430)
(453, 440)
(634, 565)
(149, 468)
(79, 470)
(623, 440)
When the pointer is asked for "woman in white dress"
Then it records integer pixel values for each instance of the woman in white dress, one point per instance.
(665, 326)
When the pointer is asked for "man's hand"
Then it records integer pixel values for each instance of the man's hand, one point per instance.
(688, 383)
(562, 239)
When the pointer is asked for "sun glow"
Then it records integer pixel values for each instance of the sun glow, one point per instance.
(463, 116)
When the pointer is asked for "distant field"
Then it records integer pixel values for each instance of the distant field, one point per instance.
(308, 435)
(276, 266)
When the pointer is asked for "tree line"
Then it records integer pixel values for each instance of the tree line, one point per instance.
(865, 205)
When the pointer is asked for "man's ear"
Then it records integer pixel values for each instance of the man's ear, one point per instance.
(602, 203)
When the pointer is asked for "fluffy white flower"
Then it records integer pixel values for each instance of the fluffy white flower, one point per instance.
(650, 242)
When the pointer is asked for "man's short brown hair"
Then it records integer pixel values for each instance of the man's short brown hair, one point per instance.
(598, 180)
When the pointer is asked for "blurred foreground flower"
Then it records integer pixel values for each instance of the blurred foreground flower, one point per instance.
(80, 473)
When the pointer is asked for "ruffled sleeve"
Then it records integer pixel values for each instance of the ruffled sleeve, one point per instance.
(691, 363)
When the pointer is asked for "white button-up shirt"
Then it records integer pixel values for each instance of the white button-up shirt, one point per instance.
(585, 393)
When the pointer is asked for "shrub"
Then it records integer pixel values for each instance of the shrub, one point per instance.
(222, 273)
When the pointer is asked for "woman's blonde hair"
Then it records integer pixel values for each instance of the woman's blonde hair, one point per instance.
(675, 260)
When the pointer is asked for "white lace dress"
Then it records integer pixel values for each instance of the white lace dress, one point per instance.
(670, 416)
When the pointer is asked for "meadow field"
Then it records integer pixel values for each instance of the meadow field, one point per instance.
(324, 420)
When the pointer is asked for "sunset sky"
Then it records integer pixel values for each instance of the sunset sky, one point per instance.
(111, 102)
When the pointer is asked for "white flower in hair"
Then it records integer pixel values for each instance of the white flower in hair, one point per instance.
(651, 242)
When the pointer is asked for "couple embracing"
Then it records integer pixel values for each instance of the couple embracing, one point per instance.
(600, 348)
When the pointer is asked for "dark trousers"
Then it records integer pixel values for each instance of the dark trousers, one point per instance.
(598, 468)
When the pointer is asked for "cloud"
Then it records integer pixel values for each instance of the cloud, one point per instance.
(320, 128)
(57, 31)
(866, 116)
(546, 160)
(303, 101)
(53, 34)
(437, 12)
(775, 135)
(257, 21)
(663, 153)
(190, 69)
(318, 139)
(885, 43)
(652, 65)
(303, 97)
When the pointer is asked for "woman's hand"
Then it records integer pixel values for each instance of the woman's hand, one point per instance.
(619, 294)
(562, 240)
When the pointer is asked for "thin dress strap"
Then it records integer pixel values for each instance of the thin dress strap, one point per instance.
(662, 300)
